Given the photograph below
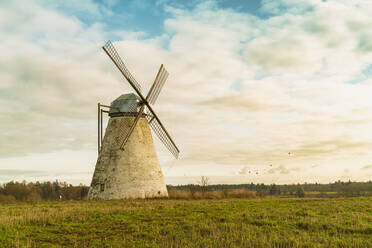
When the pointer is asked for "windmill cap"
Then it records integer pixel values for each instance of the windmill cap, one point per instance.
(126, 103)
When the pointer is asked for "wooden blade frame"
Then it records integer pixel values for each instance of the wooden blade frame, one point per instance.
(157, 127)
(158, 84)
(162, 134)
(114, 56)
(126, 138)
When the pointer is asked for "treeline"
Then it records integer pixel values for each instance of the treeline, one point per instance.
(51, 191)
(335, 189)
(41, 191)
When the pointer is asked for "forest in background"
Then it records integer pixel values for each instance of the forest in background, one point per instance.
(51, 191)
(335, 189)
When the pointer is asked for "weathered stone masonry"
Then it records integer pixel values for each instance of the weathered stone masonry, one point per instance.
(130, 173)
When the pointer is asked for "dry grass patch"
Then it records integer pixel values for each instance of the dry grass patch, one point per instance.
(213, 194)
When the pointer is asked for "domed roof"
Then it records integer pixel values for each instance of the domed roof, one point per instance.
(126, 103)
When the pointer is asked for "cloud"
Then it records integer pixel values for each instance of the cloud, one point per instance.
(329, 147)
(314, 41)
(292, 68)
(22, 172)
(244, 171)
(283, 170)
(242, 101)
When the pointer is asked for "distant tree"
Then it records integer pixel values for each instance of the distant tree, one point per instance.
(260, 193)
(273, 189)
(300, 192)
(46, 190)
(18, 190)
(251, 186)
(204, 182)
(34, 196)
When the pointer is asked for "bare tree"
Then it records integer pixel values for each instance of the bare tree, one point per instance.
(204, 182)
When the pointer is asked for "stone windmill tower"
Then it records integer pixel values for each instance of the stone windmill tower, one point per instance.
(127, 164)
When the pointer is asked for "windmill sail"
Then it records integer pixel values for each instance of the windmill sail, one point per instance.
(131, 129)
(114, 56)
(160, 79)
(153, 94)
(161, 133)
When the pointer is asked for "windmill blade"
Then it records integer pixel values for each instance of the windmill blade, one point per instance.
(131, 129)
(125, 131)
(114, 56)
(155, 123)
(161, 132)
(158, 84)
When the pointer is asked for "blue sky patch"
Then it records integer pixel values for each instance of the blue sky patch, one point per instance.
(237, 85)
(145, 16)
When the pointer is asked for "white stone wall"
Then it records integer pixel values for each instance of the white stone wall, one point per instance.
(130, 173)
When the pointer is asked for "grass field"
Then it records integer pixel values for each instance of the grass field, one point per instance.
(342, 222)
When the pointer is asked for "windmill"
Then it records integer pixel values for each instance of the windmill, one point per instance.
(127, 164)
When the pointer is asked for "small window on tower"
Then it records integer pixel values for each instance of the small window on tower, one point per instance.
(102, 187)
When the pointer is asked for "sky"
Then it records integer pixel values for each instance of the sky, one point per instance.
(270, 91)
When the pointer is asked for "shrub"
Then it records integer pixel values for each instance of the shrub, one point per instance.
(241, 193)
(7, 199)
(179, 194)
(300, 192)
(261, 193)
(213, 194)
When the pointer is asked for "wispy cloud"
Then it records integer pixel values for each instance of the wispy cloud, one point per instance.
(23, 173)
(281, 169)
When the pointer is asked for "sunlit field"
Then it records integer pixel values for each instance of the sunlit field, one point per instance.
(341, 222)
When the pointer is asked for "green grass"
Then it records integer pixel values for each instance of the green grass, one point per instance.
(342, 222)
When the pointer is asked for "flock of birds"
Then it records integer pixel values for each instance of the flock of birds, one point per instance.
(256, 171)
(244, 173)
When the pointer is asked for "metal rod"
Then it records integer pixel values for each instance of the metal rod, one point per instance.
(101, 128)
(98, 120)
(106, 106)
